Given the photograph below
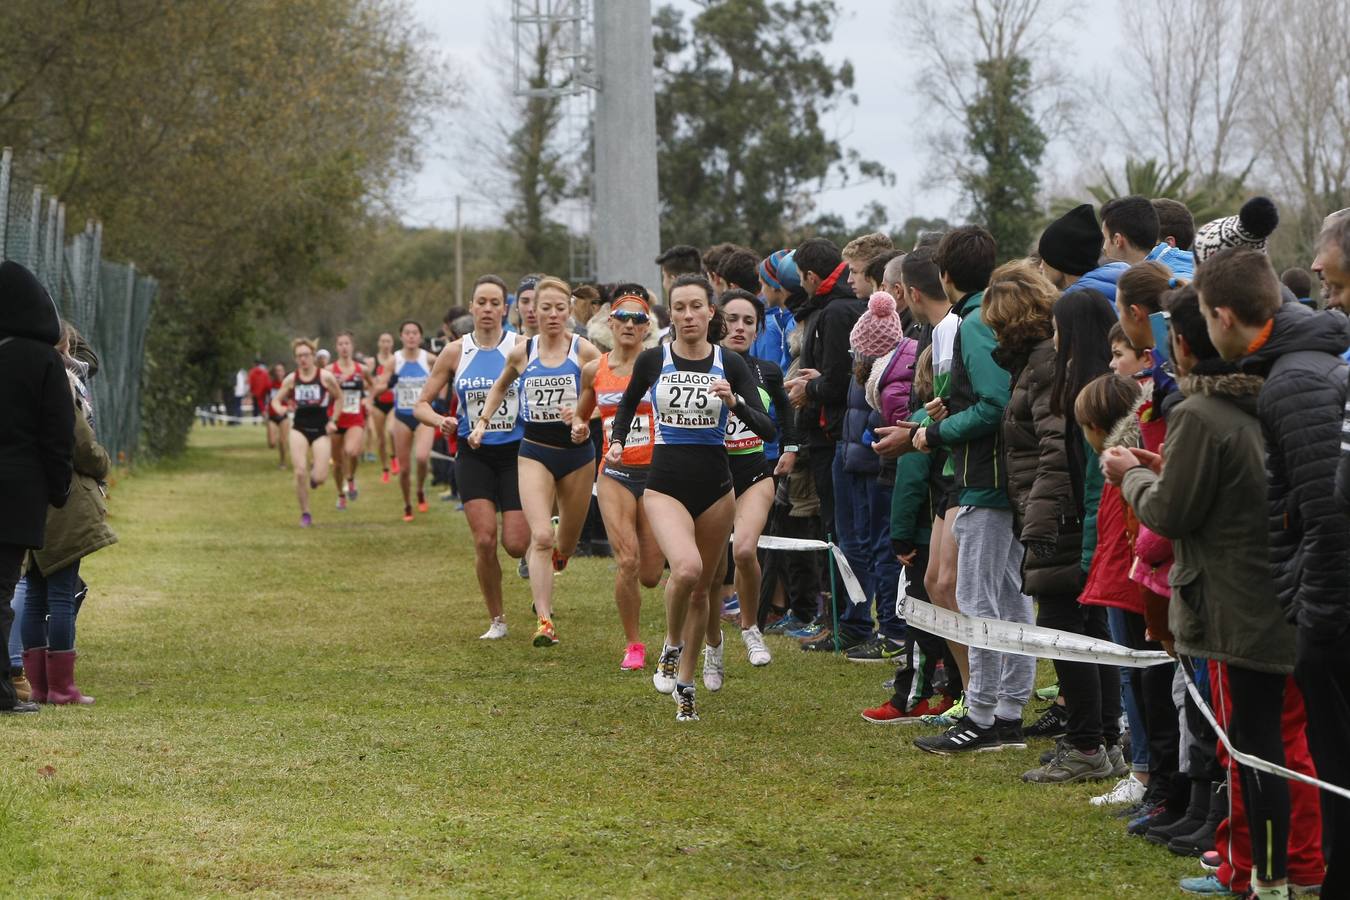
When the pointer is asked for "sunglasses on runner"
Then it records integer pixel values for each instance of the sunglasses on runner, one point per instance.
(635, 316)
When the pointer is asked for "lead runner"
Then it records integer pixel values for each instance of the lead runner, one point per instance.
(689, 498)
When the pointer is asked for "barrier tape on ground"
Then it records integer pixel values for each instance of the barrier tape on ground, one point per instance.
(1255, 762)
(223, 417)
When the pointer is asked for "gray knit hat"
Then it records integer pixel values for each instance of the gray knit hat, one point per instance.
(1253, 224)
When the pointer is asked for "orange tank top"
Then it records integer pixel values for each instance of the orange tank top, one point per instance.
(609, 388)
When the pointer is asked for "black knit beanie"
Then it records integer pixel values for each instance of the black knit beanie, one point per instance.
(1073, 242)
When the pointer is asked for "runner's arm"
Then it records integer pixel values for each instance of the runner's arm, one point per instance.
(441, 373)
(283, 393)
(646, 369)
(748, 407)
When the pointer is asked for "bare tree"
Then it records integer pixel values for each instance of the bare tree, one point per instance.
(1189, 102)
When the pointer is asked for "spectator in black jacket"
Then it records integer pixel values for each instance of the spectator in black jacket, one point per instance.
(820, 390)
(1298, 352)
(38, 436)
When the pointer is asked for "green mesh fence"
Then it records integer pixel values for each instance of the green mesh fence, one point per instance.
(109, 303)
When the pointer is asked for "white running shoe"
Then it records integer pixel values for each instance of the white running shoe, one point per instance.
(755, 646)
(713, 669)
(1128, 790)
(685, 710)
(496, 631)
(663, 679)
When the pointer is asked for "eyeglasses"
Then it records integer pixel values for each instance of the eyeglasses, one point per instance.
(635, 316)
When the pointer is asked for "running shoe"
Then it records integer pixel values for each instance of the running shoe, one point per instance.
(306, 520)
(809, 631)
(1119, 767)
(1210, 860)
(422, 503)
(826, 644)
(352, 492)
(755, 647)
(634, 657)
(1305, 890)
(447, 496)
(1053, 723)
(544, 635)
(559, 562)
(790, 622)
(370, 457)
(731, 608)
(407, 514)
(523, 568)
(963, 737)
(496, 631)
(950, 716)
(684, 703)
(1206, 885)
(1070, 765)
(384, 478)
(393, 465)
(714, 671)
(1048, 694)
(889, 714)
(663, 679)
(1010, 734)
(877, 650)
(341, 503)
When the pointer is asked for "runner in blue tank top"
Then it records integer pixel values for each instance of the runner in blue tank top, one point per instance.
(548, 369)
(411, 370)
(486, 474)
(689, 501)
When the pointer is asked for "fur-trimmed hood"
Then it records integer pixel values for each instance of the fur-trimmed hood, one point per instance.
(1230, 386)
(1125, 433)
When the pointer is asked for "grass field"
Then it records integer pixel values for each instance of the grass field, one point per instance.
(287, 712)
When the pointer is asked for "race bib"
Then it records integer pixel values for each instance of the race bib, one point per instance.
(408, 391)
(308, 394)
(503, 417)
(739, 435)
(686, 400)
(548, 395)
(639, 432)
(351, 402)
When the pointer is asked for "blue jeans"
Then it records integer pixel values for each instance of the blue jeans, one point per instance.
(15, 638)
(49, 610)
(1115, 621)
(862, 526)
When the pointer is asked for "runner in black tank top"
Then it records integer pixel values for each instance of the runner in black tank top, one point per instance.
(315, 392)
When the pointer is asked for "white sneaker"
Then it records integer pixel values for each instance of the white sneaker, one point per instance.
(713, 670)
(1128, 790)
(685, 709)
(663, 679)
(496, 631)
(755, 647)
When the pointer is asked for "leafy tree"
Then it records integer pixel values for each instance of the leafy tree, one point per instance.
(1150, 178)
(231, 155)
(741, 95)
(1008, 144)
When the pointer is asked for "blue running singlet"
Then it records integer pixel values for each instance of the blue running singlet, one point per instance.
(479, 368)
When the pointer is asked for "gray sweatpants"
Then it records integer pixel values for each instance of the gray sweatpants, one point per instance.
(989, 584)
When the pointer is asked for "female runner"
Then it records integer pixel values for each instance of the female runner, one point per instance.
(689, 499)
(351, 423)
(620, 485)
(278, 424)
(551, 467)
(411, 369)
(752, 480)
(315, 390)
(486, 474)
(382, 404)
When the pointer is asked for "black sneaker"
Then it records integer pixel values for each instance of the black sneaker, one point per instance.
(878, 649)
(1010, 736)
(20, 708)
(1053, 723)
(963, 737)
(826, 644)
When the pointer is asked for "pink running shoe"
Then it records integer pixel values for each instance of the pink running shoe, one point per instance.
(634, 658)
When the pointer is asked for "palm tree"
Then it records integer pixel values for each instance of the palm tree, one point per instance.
(1149, 178)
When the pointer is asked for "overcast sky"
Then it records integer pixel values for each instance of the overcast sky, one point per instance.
(883, 126)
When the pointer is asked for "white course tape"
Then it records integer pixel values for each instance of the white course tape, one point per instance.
(222, 417)
(1255, 762)
(1027, 640)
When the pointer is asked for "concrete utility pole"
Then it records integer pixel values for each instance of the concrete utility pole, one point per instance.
(627, 208)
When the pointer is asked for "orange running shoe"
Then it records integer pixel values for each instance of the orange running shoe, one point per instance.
(544, 635)
(407, 514)
(422, 502)
(384, 479)
(393, 465)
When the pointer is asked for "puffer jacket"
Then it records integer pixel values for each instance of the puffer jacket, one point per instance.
(1300, 408)
(1181, 262)
(1102, 279)
(80, 527)
(859, 418)
(1108, 580)
(891, 382)
(1208, 501)
(1036, 461)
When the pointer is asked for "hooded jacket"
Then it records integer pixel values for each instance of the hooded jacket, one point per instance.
(1208, 501)
(978, 394)
(1108, 580)
(1181, 262)
(826, 323)
(38, 436)
(1300, 408)
(1037, 463)
(1102, 279)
